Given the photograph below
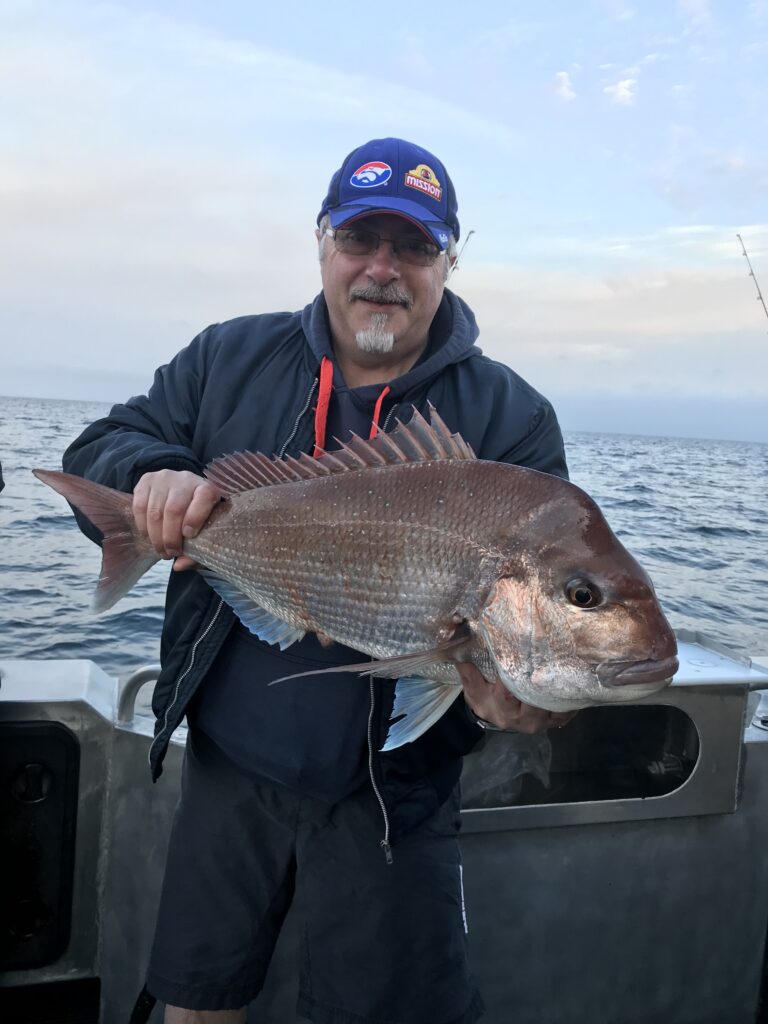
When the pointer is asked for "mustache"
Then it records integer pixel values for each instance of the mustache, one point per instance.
(386, 294)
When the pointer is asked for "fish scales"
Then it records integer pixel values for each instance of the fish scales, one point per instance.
(399, 548)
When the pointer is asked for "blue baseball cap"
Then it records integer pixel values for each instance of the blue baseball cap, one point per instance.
(394, 176)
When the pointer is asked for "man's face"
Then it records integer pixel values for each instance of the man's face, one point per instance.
(402, 299)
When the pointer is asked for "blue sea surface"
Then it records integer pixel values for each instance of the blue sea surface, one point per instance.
(693, 512)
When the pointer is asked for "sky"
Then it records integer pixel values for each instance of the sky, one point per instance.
(162, 166)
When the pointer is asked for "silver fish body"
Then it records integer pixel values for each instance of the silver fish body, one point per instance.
(412, 551)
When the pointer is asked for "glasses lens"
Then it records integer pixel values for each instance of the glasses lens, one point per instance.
(360, 241)
(356, 241)
(417, 251)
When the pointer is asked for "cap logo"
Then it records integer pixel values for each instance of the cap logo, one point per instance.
(371, 174)
(424, 179)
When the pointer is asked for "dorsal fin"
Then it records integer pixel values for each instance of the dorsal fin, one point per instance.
(415, 441)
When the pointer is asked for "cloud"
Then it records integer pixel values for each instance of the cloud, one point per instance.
(562, 86)
(663, 333)
(515, 33)
(729, 163)
(691, 174)
(695, 248)
(413, 57)
(127, 72)
(696, 11)
(681, 92)
(623, 92)
(619, 10)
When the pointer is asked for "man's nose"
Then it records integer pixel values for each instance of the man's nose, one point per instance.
(383, 264)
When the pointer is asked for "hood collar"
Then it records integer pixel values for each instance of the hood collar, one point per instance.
(452, 339)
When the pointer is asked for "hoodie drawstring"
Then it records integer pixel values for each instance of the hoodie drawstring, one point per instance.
(377, 412)
(324, 401)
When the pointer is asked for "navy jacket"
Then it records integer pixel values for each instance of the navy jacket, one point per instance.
(250, 384)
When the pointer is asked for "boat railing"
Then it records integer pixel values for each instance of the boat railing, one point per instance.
(129, 690)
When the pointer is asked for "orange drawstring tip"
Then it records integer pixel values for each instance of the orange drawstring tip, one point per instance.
(377, 412)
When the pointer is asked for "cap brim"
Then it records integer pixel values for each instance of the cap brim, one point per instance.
(341, 215)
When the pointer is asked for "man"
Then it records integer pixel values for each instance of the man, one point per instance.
(285, 791)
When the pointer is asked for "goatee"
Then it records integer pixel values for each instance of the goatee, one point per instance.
(376, 338)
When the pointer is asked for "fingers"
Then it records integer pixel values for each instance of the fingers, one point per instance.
(474, 682)
(490, 701)
(170, 505)
(165, 521)
(531, 720)
(182, 562)
(495, 704)
(204, 500)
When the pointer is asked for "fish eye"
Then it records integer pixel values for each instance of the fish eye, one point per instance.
(583, 594)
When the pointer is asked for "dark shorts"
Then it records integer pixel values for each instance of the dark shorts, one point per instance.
(380, 943)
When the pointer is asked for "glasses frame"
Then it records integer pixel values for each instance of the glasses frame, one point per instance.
(332, 232)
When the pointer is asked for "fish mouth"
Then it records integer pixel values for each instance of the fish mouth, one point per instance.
(648, 672)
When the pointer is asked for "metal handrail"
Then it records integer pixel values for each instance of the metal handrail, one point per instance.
(126, 700)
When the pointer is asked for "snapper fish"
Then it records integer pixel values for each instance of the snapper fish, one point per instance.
(411, 550)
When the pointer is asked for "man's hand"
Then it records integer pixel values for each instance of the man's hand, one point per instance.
(495, 704)
(170, 505)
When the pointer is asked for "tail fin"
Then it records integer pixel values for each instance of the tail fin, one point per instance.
(126, 555)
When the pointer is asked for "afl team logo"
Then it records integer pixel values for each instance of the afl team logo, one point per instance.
(371, 174)
(425, 180)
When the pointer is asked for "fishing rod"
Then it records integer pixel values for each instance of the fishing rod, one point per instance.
(455, 266)
(760, 298)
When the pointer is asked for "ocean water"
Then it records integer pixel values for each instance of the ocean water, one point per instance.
(694, 513)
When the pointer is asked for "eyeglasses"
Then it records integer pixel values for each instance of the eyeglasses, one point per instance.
(419, 252)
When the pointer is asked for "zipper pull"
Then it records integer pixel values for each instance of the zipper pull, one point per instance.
(384, 844)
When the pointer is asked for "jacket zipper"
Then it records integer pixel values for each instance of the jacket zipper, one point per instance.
(390, 414)
(299, 418)
(184, 675)
(385, 844)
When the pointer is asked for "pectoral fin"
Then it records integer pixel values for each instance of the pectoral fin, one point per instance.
(259, 621)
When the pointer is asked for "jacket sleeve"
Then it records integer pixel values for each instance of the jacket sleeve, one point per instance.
(542, 448)
(147, 433)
